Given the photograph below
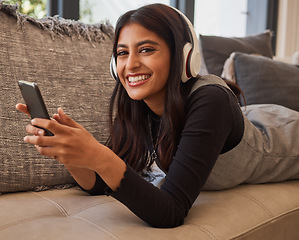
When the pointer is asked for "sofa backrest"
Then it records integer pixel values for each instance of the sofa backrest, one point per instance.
(69, 61)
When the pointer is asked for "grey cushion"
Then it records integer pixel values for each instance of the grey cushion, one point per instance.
(264, 80)
(216, 50)
(72, 73)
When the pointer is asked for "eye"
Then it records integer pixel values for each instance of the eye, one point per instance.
(147, 50)
(121, 53)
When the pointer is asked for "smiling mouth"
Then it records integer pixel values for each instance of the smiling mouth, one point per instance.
(137, 79)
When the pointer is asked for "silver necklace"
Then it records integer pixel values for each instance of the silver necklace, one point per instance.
(153, 154)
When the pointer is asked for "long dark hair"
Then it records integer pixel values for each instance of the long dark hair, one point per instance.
(129, 129)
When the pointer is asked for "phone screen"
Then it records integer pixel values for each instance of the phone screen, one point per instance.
(34, 101)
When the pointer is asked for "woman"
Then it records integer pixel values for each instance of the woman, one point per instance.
(194, 130)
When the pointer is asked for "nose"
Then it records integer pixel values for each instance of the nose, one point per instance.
(133, 61)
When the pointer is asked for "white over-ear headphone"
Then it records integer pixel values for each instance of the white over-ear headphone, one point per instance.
(191, 55)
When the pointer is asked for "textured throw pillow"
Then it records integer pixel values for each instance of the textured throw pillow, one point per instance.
(216, 50)
(264, 80)
(70, 63)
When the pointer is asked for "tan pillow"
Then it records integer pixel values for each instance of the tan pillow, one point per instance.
(71, 71)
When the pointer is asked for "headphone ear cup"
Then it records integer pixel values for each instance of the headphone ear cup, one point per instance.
(191, 52)
(113, 71)
(195, 63)
(186, 62)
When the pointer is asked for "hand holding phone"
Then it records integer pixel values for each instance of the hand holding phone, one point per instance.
(34, 101)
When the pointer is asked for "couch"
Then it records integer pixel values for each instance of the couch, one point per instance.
(40, 200)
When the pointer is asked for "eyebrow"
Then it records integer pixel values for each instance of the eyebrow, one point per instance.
(139, 43)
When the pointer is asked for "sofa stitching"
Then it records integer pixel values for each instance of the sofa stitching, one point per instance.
(267, 210)
(61, 209)
(64, 212)
(206, 231)
(107, 232)
(263, 224)
(104, 230)
(89, 206)
(24, 221)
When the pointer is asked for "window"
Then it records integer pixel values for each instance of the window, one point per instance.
(222, 18)
(93, 11)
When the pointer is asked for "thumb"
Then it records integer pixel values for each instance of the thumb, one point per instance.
(66, 120)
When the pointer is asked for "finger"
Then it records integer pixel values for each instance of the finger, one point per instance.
(65, 119)
(57, 118)
(46, 151)
(22, 108)
(34, 130)
(42, 141)
(51, 125)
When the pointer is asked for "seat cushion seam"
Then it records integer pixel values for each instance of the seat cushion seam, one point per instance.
(270, 214)
(263, 224)
(104, 230)
(204, 230)
(24, 221)
(90, 206)
(61, 209)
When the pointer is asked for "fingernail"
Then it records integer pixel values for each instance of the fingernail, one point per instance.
(40, 132)
(26, 139)
(33, 121)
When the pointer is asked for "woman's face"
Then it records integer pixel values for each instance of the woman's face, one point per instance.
(143, 62)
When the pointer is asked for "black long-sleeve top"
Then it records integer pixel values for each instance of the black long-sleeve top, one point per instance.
(214, 125)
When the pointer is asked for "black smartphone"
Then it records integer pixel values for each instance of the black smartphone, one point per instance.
(34, 101)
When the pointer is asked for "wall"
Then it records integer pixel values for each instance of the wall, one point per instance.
(288, 29)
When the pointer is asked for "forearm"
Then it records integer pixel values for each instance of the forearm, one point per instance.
(109, 167)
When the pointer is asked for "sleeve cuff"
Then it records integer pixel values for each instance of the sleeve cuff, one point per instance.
(109, 191)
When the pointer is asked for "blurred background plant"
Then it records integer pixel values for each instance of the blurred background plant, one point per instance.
(33, 8)
(86, 11)
(38, 8)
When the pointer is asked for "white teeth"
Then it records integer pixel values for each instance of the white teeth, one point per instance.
(138, 78)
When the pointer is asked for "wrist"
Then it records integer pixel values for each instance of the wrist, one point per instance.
(84, 177)
(111, 169)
